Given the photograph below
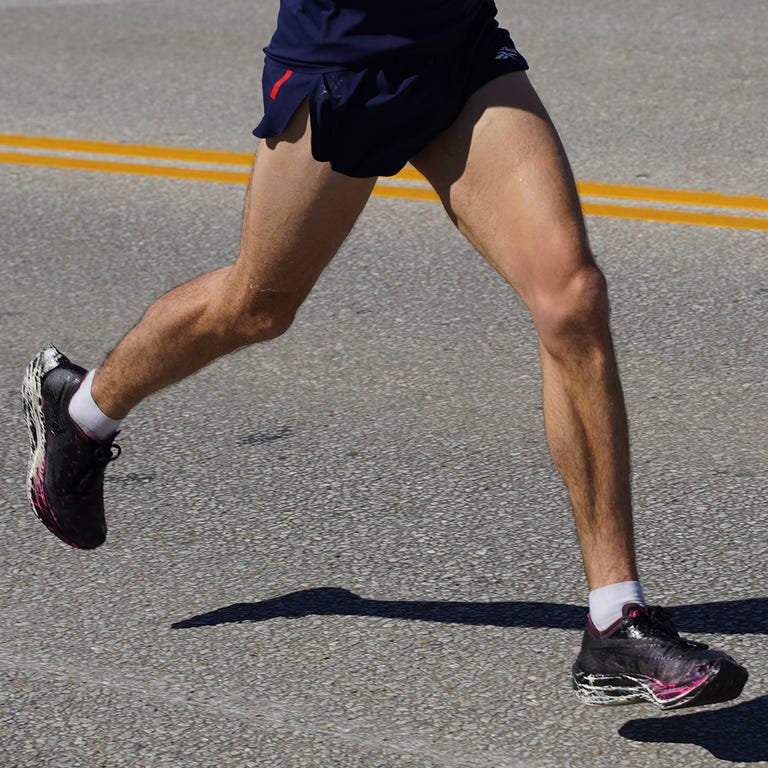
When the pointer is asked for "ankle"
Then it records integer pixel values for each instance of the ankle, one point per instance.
(606, 604)
(85, 412)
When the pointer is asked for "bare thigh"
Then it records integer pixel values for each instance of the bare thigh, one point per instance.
(503, 177)
(298, 211)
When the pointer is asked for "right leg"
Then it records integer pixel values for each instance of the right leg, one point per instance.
(297, 214)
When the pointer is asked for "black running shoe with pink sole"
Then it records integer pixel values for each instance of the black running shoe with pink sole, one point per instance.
(65, 481)
(643, 658)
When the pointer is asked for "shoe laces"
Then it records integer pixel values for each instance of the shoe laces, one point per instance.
(102, 454)
(660, 624)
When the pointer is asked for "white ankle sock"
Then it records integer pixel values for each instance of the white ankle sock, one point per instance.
(606, 603)
(87, 415)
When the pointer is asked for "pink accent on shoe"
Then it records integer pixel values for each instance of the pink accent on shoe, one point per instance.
(664, 692)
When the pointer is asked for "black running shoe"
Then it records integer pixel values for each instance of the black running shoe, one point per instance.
(65, 482)
(643, 658)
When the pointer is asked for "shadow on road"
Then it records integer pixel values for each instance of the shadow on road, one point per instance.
(730, 617)
(738, 733)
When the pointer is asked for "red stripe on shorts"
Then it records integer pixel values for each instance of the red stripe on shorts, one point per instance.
(276, 87)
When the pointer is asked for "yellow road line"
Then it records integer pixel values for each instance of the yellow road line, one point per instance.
(674, 216)
(646, 194)
(672, 196)
(408, 193)
(613, 211)
(138, 169)
(386, 188)
(126, 150)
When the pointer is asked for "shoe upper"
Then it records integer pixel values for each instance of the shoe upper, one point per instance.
(645, 643)
(73, 465)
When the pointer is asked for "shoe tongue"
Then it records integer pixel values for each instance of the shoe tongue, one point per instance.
(652, 620)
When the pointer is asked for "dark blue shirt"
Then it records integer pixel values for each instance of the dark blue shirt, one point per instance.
(345, 33)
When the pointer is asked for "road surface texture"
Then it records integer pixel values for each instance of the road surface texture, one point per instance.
(349, 546)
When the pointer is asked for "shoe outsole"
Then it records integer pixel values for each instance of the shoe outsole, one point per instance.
(32, 404)
(725, 681)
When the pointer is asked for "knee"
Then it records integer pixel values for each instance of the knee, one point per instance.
(573, 313)
(259, 317)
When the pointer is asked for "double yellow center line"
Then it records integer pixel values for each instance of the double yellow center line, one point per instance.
(623, 201)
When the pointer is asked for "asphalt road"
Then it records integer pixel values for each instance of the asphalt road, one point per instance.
(349, 546)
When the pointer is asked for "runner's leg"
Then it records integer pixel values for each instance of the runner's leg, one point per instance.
(297, 214)
(502, 175)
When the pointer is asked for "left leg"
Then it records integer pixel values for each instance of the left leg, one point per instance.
(502, 175)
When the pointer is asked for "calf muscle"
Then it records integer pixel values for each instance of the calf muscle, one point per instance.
(297, 214)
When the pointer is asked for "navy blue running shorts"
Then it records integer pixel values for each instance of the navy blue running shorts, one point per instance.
(371, 119)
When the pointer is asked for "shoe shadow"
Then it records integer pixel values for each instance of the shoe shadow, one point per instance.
(738, 733)
(731, 617)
